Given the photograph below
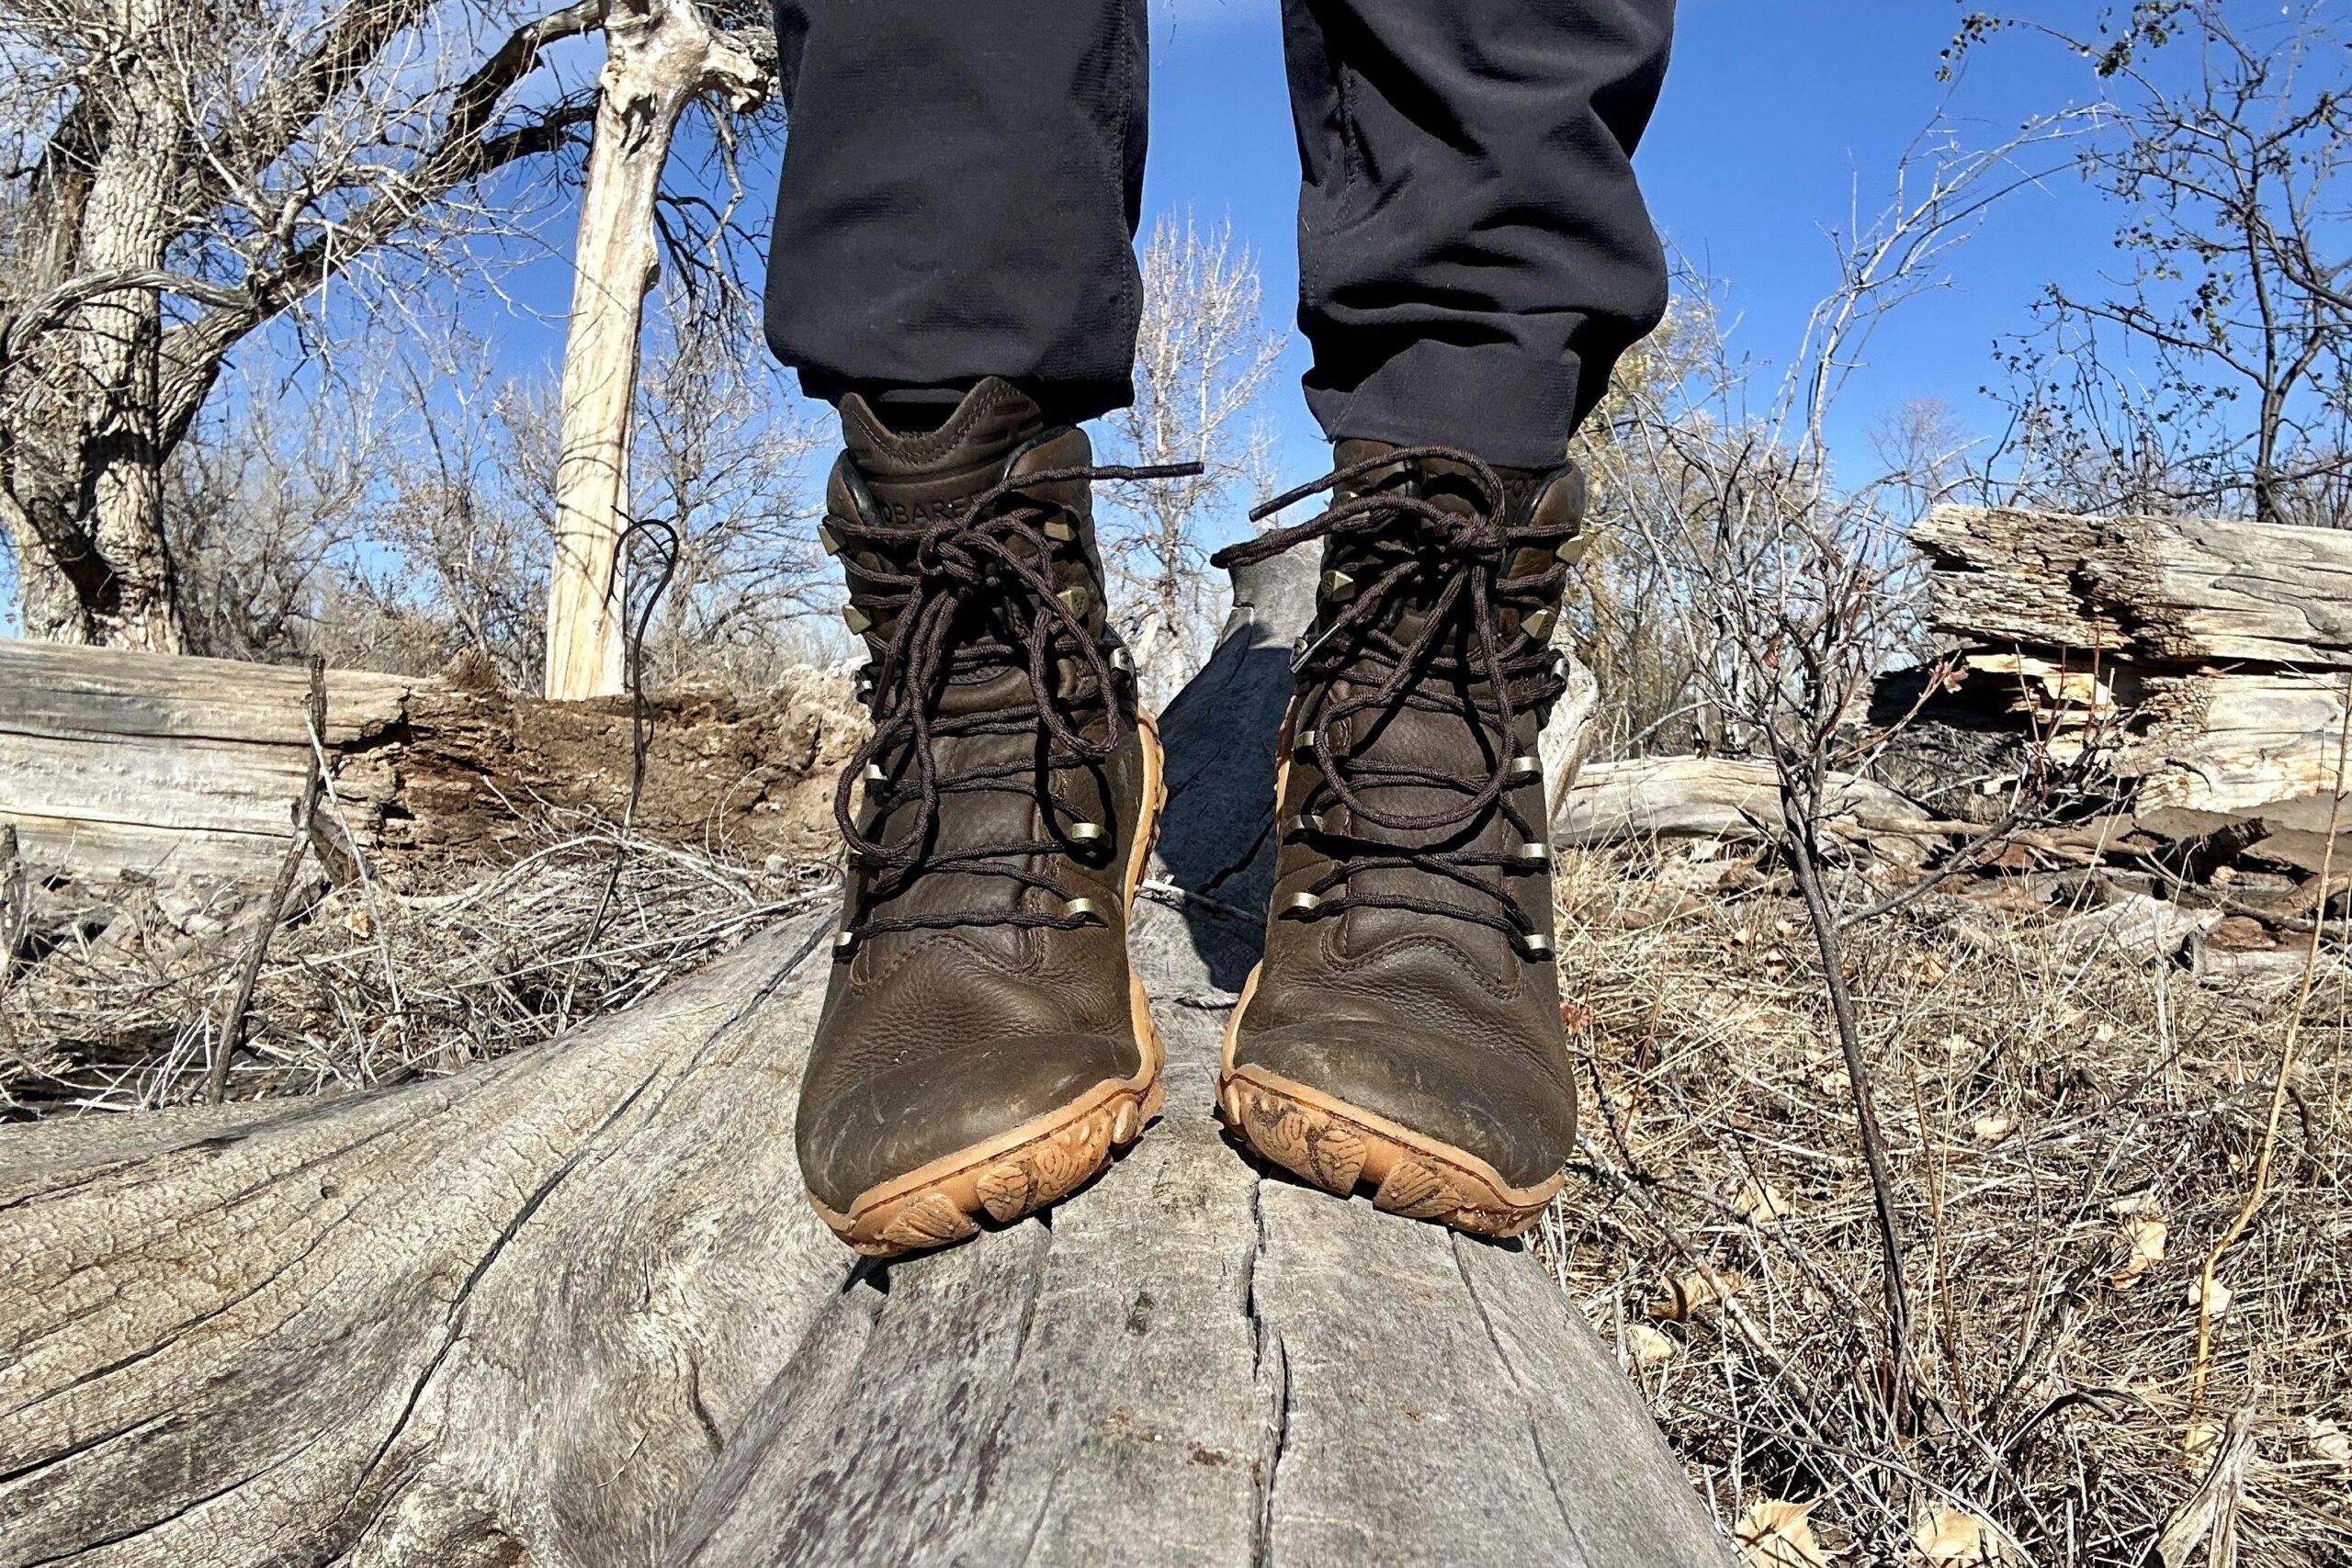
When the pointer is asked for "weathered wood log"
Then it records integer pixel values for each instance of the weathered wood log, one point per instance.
(113, 760)
(1725, 797)
(2204, 661)
(2166, 590)
(570, 1308)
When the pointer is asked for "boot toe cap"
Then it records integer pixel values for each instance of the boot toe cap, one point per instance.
(891, 1114)
(1500, 1106)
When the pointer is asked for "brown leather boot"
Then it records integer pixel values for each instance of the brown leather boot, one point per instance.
(984, 1045)
(1403, 1028)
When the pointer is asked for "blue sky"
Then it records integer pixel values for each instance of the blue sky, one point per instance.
(1779, 117)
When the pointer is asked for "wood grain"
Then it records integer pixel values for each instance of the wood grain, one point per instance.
(2207, 660)
(2181, 589)
(572, 1308)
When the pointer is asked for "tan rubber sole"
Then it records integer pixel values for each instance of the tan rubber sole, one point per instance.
(1340, 1147)
(1044, 1159)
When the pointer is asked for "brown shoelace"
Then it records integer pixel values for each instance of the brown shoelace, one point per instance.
(1453, 564)
(954, 585)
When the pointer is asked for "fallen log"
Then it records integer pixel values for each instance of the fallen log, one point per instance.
(2153, 590)
(571, 1307)
(2203, 662)
(115, 762)
(1735, 798)
(119, 761)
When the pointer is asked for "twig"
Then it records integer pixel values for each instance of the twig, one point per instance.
(1946, 1323)
(1796, 817)
(15, 904)
(359, 864)
(290, 866)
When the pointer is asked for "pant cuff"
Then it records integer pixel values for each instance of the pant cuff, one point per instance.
(1063, 402)
(1512, 411)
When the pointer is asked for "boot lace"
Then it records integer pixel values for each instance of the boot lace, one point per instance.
(959, 588)
(1460, 661)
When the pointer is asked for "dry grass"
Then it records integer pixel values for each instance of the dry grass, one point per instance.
(2031, 1100)
(375, 985)
(2043, 1111)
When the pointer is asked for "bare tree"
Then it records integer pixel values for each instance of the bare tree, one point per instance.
(662, 55)
(1202, 357)
(2215, 375)
(399, 514)
(1629, 613)
(724, 459)
(190, 174)
(461, 520)
(264, 505)
(1793, 580)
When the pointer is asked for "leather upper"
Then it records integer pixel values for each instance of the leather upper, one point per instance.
(1439, 1023)
(938, 1038)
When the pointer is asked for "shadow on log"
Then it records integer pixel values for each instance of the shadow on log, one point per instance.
(572, 1308)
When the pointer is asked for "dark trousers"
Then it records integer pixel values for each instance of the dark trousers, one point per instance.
(962, 181)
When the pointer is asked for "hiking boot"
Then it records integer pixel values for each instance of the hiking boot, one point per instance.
(984, 1045)
(1403, 1028)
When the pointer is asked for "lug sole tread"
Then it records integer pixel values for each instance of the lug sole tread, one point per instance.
(1329, 1144)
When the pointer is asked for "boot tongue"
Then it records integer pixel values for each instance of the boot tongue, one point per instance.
(934, 474)
(1445, 740)
(932, 477)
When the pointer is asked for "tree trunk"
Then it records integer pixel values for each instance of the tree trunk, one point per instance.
(87, 453)
(660, 56)
(570, 1309)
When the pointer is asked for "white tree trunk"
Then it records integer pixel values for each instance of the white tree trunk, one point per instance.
(662, 56)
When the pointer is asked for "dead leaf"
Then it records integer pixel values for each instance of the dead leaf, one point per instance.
(1648, 1345)
(2143, 1241)
(2201, 1435)
(2214, 1507)
(2328, 1441)
(1685, 1294)
(1954, 1538)
(1992, 1129)
(1576, 1017)
(2213, 1298)
(1762, 1204)
(1778, 1535)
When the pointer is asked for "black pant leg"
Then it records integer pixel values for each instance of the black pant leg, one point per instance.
(1474, 254)
(961, 184)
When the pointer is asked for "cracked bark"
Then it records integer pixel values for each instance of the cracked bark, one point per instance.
(570, 1308)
